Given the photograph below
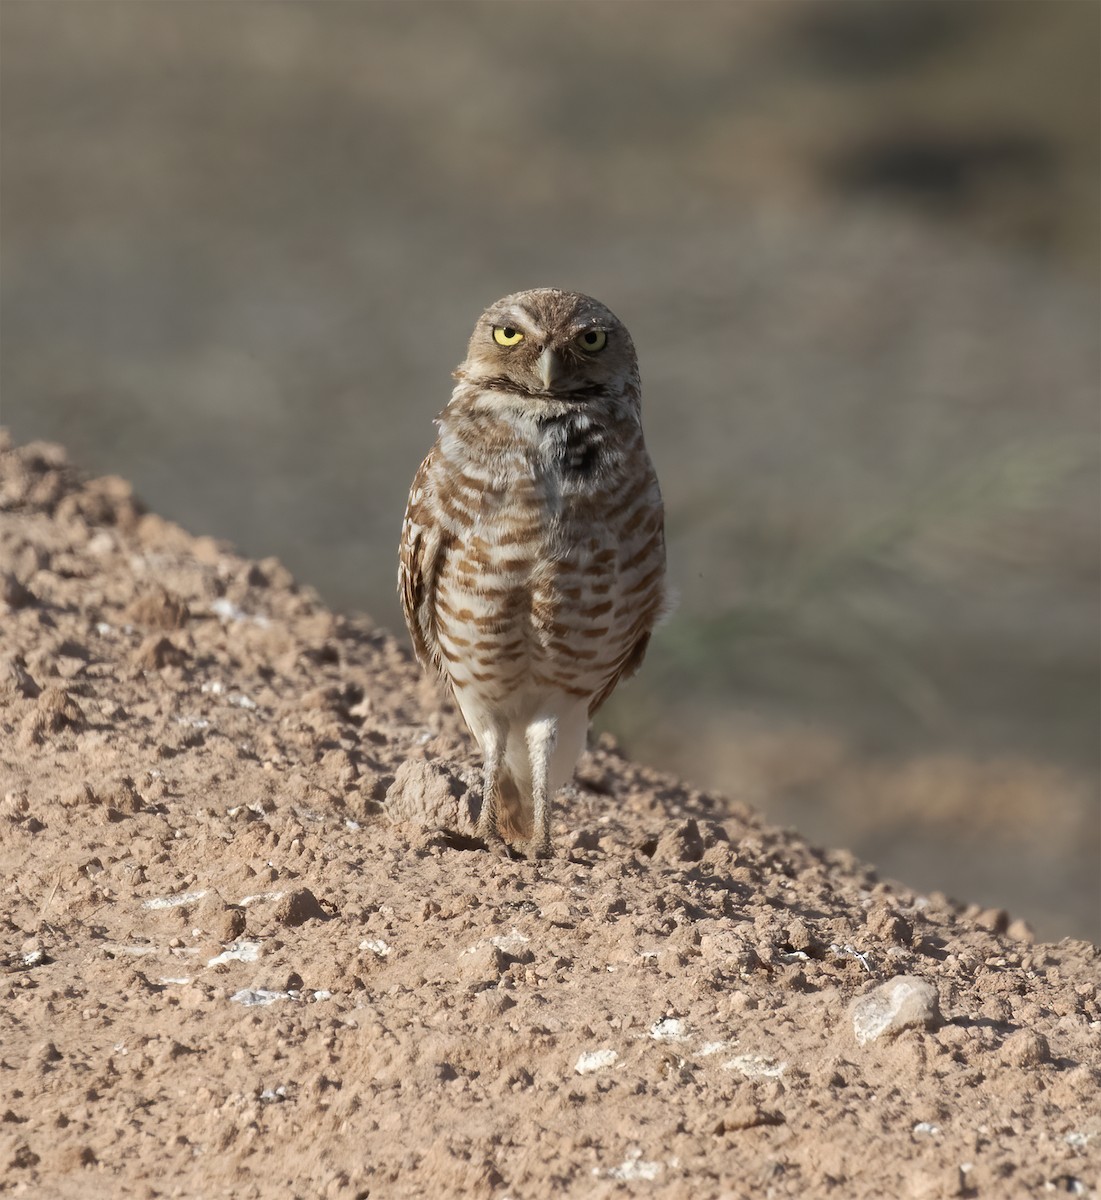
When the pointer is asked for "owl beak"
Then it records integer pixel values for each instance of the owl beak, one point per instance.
(547, 367)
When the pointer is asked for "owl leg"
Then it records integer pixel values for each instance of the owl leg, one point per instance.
(541, 738)
(488, 824)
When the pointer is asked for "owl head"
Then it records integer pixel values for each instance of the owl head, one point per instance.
(550, 345)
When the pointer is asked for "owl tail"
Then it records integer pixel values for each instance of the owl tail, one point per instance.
(514, 811)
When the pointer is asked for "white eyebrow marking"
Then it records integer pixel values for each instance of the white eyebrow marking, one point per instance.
(521, 320)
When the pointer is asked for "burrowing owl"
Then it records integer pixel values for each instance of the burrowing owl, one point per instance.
(533, 553)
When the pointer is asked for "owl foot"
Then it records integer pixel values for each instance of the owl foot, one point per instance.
(541, 850)
(498, 847)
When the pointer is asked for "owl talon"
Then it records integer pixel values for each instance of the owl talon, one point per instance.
(498, 847)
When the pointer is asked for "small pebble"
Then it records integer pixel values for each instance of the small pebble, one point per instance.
(904, 1002)
(595, 1060)
(1025, 1048)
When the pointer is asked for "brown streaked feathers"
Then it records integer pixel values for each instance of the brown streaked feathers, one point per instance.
(532, 558)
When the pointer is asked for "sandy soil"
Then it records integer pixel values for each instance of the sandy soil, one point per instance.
(251, 950)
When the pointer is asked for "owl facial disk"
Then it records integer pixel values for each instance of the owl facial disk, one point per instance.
(549, 344)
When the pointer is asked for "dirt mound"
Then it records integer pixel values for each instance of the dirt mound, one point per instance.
(250, 951)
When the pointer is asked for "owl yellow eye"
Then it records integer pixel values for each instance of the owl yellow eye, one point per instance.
(592, 340)
(505, 335)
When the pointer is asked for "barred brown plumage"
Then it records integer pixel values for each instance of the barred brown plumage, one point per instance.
(532, 561)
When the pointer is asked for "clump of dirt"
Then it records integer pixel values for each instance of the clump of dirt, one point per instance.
(250, 947)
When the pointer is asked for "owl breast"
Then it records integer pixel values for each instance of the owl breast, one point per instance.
(555, 561)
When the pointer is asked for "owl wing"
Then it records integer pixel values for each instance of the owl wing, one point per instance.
(625, 668)
(655, 608)
(418, 568)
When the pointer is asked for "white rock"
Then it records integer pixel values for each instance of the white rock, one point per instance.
(595, 1060)
(754, 1066)
(176, 901)
(257, 997)
(904, 1002)
(237, 952)
(709, 1048)
(670, 1029)
(226, 610)
(632, 1169)
(510, 942)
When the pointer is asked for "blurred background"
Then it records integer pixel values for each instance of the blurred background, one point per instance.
(856, 243)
